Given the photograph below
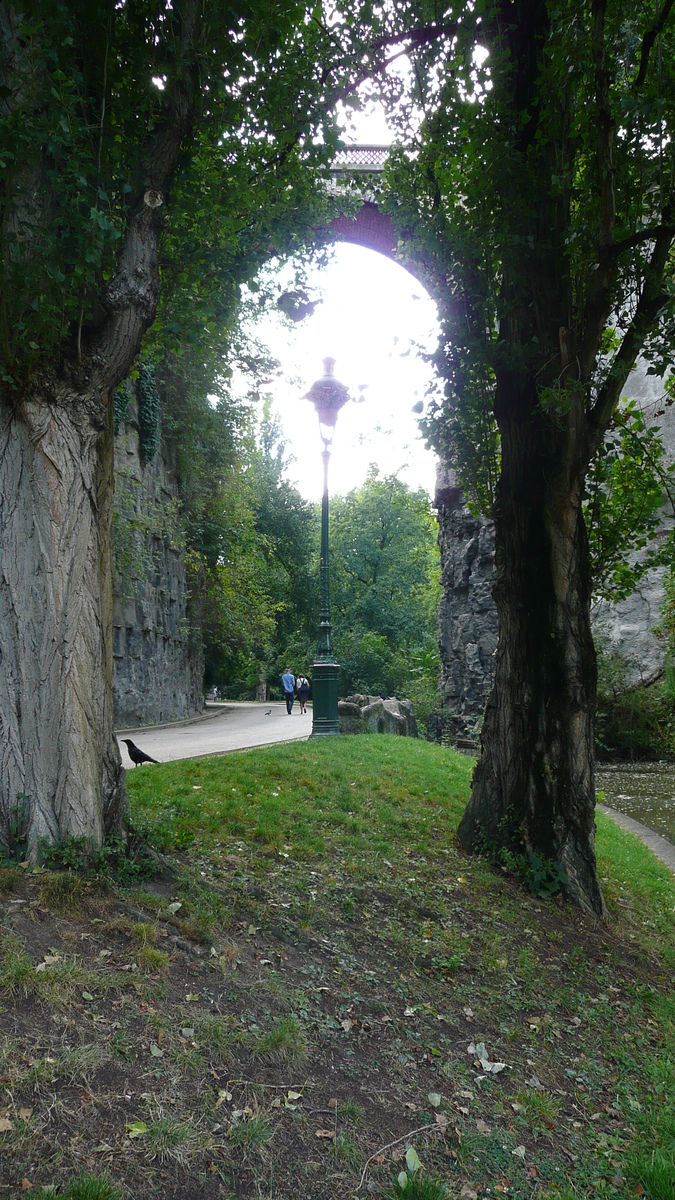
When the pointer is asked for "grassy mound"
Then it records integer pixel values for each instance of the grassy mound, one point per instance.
(327, 999)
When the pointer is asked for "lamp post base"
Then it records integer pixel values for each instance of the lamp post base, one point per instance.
(325, 721)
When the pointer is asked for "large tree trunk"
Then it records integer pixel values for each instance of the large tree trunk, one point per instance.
(60, 760)
(533, 789)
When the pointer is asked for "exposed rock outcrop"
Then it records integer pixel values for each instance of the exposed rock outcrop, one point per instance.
(371, 714)
(158, 672)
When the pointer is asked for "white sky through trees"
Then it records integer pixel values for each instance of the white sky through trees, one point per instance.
(372, 318)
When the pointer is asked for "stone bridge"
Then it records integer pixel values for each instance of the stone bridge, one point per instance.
(370, 227)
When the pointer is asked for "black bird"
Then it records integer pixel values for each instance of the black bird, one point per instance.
(268, 712)
(137, 756)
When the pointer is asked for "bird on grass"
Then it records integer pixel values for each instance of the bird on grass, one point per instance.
(268, 712)
(138, 757)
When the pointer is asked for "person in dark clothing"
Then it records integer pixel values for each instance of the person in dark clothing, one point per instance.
(302, 685)
(288, 684)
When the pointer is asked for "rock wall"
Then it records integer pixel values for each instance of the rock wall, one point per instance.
(158, 672)
(467, 617)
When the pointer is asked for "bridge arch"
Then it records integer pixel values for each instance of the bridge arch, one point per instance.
(369, 226)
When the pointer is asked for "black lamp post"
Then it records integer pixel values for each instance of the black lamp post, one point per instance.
(328, 396)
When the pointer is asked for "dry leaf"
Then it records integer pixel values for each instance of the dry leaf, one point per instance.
(519, 1152)
(481, 1126)
(26, 1185)
(467, 1193)
(24, 1113)
(5, 1124)
(434, 1099)
(347, 1024)
(156, 1052)
(324, 1133)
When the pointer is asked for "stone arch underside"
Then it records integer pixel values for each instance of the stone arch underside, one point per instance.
(374, 230)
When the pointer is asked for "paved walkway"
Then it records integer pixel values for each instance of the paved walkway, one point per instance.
(222, 727)
(660, 846)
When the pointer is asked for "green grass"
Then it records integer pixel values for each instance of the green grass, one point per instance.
(345, 932)
(61, 891)
(84, 1187)
(385, 793)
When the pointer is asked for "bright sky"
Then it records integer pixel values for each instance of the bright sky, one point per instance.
(372, 313)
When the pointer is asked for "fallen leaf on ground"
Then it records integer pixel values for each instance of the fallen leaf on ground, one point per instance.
(5, 1124)
(434, 1099)
(223, 1094)
(24, 1113)
(347, 1024)
(467, 1193)
(481, 1126)
(137, 1129)
(492, 1068)
(519, 1152)
(173, 908)
(26, 1185)
(156, 1052)
(324, 1133)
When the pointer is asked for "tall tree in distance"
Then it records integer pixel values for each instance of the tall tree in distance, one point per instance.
(385, 588)
(540, 197)
(120, 123)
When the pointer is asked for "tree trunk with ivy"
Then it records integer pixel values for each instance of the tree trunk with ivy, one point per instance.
(61, 774)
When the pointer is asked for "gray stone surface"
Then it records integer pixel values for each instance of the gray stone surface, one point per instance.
(158, 673)
(371, 714)
(467, 617)
(221, 729)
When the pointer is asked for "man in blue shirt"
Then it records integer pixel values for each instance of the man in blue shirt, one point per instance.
(288, 684)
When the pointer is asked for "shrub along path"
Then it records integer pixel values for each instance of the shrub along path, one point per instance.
(323, 982)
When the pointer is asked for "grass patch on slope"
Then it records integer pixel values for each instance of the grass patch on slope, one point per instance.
(381, 794)
(324, 971)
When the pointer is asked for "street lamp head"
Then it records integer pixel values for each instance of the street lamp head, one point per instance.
(328, 396)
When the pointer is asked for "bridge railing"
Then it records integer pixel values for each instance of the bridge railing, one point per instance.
(367, 159)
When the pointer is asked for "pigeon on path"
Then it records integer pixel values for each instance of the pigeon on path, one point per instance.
(268, 713)
(138, 757)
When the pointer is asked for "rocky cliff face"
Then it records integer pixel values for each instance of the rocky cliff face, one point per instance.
(158, 672)
(467, 617)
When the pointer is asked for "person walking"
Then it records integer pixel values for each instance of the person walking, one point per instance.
(302, 688)
(288, 684)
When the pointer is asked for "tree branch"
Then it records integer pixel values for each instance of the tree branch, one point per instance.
(648, 40)
(651, 300)
(131, 297)
(635, 239)
(413, 38)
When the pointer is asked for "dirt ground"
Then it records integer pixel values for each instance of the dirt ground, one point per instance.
(318, 1031)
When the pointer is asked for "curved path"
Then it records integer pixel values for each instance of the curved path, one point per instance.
(660, 846)
(232, 726)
